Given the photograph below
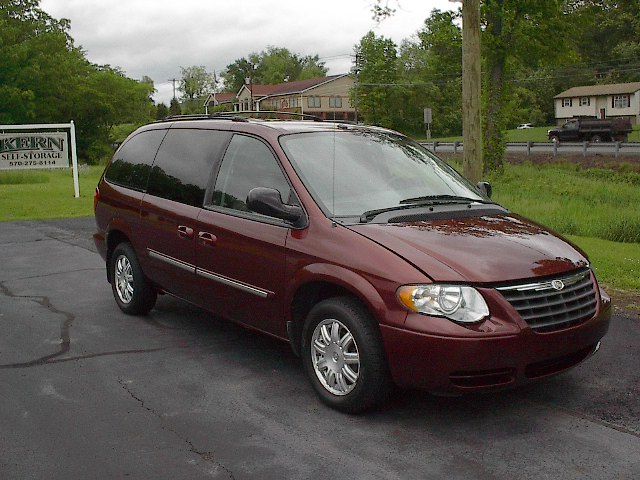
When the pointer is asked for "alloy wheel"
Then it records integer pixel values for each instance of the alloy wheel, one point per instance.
(124, 279)
(335, 357)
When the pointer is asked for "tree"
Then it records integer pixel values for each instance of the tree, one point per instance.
(162, 111)
(517, 32)
(195, 82)
(430, 67)
(174, 107)
(377, 72)
(271, 66)
(45, 78)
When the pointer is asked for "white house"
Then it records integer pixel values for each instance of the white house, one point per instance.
(600, 101)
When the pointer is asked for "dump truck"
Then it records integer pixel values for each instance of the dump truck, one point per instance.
(592, 130)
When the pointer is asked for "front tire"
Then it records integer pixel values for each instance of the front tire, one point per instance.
(131, 289)
(343, 355)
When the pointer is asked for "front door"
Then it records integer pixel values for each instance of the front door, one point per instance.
(603, 114)
(240, 255)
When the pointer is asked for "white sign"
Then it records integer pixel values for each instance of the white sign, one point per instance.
(19, 150)
(427, 116)
(30, 147)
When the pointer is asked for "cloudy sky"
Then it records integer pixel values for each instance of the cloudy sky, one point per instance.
(156, 37)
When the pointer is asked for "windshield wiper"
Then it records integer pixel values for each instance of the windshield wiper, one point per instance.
(369, 214)
(420, 202)
(434, 199)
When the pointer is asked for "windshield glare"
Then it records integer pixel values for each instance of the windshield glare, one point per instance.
(351, 172)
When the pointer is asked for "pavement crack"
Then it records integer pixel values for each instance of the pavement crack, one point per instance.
(53, 274)
(65, 328)
(205, 455)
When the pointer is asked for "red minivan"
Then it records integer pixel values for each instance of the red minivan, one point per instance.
(373, 258)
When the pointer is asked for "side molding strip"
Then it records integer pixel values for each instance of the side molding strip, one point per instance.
(172, 261)
(233, 283)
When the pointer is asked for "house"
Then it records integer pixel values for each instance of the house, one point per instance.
(599, 101)
(218, 99)
(326, 97)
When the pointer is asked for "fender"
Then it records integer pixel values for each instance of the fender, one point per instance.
(349, 280)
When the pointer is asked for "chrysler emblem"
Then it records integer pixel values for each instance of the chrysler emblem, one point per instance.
(557, 284)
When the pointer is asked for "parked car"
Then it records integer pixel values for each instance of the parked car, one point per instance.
(373, 258)
(592, 129)
(524, 126)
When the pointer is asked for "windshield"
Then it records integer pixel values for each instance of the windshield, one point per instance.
(355, 171)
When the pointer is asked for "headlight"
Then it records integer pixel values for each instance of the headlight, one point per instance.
(456, 302)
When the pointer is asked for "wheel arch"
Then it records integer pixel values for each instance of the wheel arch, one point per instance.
(317, 282)
(115, 236)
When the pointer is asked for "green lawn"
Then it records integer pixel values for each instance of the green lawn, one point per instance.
(535, 134)
(41, 194)
(596, 208)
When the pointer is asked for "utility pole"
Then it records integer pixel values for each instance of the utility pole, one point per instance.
(471, 91)
(174, 80)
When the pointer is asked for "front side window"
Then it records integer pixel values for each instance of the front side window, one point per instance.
(247, 164)
(351, 172)
(183, 165)
(621, 101)
(566, 102)
(585, 101)
(131, 164)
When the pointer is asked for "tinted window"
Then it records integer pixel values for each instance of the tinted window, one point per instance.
(247, 164)
(183, 165)
(131, 164)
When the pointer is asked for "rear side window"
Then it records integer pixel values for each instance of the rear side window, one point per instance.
(248, 163)
(131, 164)
(184, 163)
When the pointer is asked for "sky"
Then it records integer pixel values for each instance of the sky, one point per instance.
(157, 37)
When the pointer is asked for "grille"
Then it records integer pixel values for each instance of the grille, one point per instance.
(545, 308)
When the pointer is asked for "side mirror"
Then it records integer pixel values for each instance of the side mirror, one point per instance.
(485, 188)
(267, 201)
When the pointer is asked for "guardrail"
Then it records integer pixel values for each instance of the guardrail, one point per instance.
(617, 148)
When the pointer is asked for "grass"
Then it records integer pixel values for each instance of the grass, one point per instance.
(617, 265)
(535, 134)
(594, 203)
(46, 194)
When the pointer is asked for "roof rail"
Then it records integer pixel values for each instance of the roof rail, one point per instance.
(315, 118)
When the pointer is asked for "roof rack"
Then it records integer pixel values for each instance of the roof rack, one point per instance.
(237, 116)
(201, 116)
(315, 118)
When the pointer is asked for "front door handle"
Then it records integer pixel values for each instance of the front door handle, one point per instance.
(207, 238)
(185, 232)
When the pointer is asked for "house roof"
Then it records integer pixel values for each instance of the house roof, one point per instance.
(220, 97)
(608, 89)
(287, 88)
(224, 97)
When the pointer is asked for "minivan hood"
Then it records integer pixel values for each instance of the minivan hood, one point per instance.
(487, 249)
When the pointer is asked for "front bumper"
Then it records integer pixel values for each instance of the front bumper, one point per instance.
(458, 364)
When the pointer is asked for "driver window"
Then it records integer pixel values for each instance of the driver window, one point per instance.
(248, 163)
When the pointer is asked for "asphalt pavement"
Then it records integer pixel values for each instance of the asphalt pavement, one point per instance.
(88, 392)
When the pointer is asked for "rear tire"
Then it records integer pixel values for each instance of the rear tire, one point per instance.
(346, 364)
(131, 289)
(554, 139)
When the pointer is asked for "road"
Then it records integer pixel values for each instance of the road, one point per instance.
(602, 148)
(88, 392)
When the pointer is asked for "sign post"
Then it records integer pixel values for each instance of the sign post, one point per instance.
(24, 147)
(428, 118)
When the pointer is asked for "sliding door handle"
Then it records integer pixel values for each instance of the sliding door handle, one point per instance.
(207, 238)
